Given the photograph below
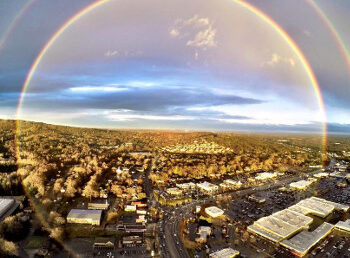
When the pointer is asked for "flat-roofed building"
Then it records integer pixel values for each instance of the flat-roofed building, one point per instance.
(203, 232)
(290, 226)
(214, 211)
(186, 186)
(264, 233)
(305, 240)
(338, 206)
(130, 208)
(302, 184)
(141, 219)
(174, 191)
(205, 229)
(81, 216)
(103, 243)
(293, 218)
(321, 175)
(233, 183)
(277, 226)
(224, 253)
(266, 175)
(131, 240)
(343, 225)
(98, 206)
(5, 205)
(315, 207)
(207, 187)
(299, 209)
(141, 212)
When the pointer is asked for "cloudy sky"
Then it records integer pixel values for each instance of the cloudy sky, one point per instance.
(197, 65)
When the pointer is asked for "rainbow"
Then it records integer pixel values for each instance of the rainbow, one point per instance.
(14, 22)
(242, 3)
(335, 34)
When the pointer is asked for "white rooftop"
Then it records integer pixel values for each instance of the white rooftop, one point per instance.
(300, 184)
(214, 211)
(224, 253)
(93, 215)
(344, 225)
(5, 205)
(305, 240)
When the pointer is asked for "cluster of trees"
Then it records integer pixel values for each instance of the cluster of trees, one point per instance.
(13, 229)
(250, 154)
(59, 162)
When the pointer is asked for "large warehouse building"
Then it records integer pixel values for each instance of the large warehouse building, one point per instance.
(80, 216)
(290, 227)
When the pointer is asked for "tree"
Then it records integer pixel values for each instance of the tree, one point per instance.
(12, 228)
(8, 249)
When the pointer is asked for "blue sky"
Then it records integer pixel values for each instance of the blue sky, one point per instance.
(155, 64)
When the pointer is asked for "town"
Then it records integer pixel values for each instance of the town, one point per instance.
(167, 193)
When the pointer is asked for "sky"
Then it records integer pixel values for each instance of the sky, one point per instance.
(162, 64)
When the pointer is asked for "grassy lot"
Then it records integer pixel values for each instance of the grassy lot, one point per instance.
(35, 242)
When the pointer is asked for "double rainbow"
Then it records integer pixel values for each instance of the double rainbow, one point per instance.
(335, 34)
(242, 3)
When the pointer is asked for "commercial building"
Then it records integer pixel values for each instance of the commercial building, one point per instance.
(232, 183)
(203, 232)
(131, 240)
(290, 226)
(224, 253)
(337, 206)
(301, 243)
(302, 184)
(98, 206)
(174, 191)
(214, 211)
(321, 175)
(207, 187)
(130, 208)
(103, 244)
(274, 228)
(80, 216)
(265, 176)
(187, 186)
(141, 219)
(343, 225)
(318, 208)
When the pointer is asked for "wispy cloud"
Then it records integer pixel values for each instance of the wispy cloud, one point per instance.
(124, 53)
(129, 115)
(278, 59)
(97, 89)
(198, 32)
(110, 53)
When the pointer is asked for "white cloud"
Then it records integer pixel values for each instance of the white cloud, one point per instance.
(204, 39)
(196, 55)
(125, 53)
(122, 115)
(113, 87)
(110, 53)
(174, 32)
(278, 59)
(198, 32)
(96, 89)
